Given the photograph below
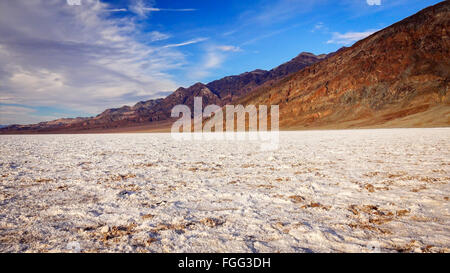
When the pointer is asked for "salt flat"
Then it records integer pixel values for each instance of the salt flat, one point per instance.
(341, 191)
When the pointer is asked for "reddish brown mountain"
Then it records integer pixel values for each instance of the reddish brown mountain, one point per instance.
(157, 112)
(230, 88)
(397, 77)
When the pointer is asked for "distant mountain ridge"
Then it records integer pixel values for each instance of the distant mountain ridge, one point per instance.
(219, 92)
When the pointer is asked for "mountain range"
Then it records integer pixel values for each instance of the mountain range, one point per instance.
(156, 113)
(397, 77)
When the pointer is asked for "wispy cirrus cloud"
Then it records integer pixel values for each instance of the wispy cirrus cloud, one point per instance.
(320, 26)
(117, 10)
(88, 62)
(268, 34)
(349, 37)
(143, 8)
(229, 48)
(190, 42)
(271, 12)
(159, 9)
(212, 59)
(158, 36)
(373, 2)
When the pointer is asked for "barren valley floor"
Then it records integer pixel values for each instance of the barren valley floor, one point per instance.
(341, 191)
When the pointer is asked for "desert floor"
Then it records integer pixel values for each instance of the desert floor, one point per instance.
(341, 191)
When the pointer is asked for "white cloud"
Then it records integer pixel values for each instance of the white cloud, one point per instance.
(373, 2)
(349, 37)
(228, 33)
(158, 9)
(139, 8)
(117, 10)
(142, 8)
(17, 114)
(74, 2)
(229, 48)
(86, 63)
(41, 80)
(211, 60)
(158, 36)
(190, 42)
(319, 26)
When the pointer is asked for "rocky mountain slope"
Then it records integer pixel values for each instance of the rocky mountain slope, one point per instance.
(397, 77)
(157, 112)
(233, 87)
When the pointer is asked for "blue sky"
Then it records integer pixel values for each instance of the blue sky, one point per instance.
(67, 58)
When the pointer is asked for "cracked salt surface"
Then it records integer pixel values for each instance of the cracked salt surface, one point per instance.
(341, 191)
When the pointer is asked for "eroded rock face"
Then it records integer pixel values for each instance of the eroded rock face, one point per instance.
(398, 72)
